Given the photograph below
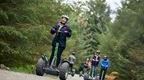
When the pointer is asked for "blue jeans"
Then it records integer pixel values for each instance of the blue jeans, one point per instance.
(93, 71)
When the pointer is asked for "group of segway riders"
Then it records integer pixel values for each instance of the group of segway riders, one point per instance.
(60, 32)
(91, 65)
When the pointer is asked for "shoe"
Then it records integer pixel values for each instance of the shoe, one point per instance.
(90, 77)
(57, 69)
(93, 78)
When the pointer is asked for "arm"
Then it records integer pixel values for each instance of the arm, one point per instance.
(68, 32)
(101, 63)
(74, 59)
(98, 59)
(93, 59)
(54, 29)
(108, 64)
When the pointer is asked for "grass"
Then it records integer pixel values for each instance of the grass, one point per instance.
(25, 69)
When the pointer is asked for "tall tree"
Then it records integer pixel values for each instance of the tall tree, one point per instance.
(97, 22)
(124, 41)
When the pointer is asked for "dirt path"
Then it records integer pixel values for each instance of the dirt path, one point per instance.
(9, 75)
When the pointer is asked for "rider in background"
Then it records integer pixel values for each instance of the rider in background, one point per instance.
(72, 60)
(85, 66)
(104, 66)
(87, 63)
(95, 61)
(60, 32)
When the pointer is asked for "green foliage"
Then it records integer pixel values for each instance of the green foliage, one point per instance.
(25, 26)
(125, 39)
(24, 29)
(97, 20)
(25, 69)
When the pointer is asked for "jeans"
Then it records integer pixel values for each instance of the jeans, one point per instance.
(93, 71)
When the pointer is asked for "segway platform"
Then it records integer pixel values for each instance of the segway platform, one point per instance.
(51, 71)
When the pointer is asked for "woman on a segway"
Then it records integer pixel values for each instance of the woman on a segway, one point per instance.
(95, 61)
(60, 32)
(87, 64)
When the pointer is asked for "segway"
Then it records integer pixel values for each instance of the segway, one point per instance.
(84, 72)
(64, 67)
(43, 65)
(88, 74)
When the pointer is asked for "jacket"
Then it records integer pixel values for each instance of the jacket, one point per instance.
(61, 35)
(95, 60)
(105, 64)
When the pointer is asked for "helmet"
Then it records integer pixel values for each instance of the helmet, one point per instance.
(73, 53)
(98, 51)
(105, 57)
(87, 59)
(65, 16)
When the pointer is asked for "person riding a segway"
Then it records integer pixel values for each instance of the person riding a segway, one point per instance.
(85, 67)
(60, 32)
(72, 60)
(94, 63)
(104, 67)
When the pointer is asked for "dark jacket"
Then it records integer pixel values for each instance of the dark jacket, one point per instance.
(95, 60)
(60, 37)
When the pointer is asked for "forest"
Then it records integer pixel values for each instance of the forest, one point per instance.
(25, 33)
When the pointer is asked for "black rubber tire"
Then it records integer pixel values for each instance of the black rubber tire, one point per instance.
(40, 67)
(63, 70)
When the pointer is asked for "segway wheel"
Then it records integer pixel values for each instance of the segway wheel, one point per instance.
(63, 71)
(40, 67)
